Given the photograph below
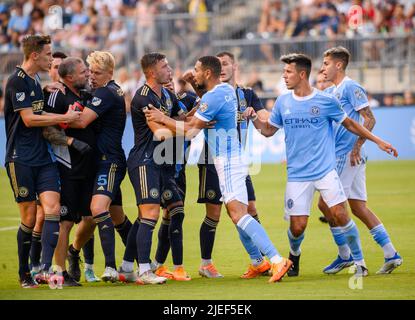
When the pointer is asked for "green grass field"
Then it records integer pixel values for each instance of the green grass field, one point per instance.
(391, 188)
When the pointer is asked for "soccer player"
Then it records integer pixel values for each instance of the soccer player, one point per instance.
(219, 104)
(76, 163)
(30, 166)
(307, 116)
(187, 101)
(351, 162)
(152, 173)
(36, 248)
(108, 106)
(209, 190)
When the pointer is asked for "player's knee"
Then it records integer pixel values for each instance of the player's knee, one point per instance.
(65, 227)
(298, 229)
(52, 208)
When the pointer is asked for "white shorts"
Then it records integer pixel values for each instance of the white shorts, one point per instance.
(299, 195)
(232, 179)
(353, 179)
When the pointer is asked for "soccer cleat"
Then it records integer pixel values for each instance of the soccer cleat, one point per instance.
(338, 265)
(255, 271)
(209, 271)
(90, 276)
(295, 268)
(149, 277)
(34, 271)
(126, 277)
(73, 266)
(27, 282)
(68, 281)
(390, 264)
(110, 274)
(164, 272)
(361, 271)
(42, 277)
(280, 269)
(180, 275)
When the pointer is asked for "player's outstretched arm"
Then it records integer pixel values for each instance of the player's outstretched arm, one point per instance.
(361, 131)
(369, 122)
(260, 124)
(47, 119)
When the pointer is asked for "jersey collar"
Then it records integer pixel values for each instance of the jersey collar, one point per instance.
(295, 97)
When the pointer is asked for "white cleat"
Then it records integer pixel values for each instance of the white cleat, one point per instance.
(149, 277)
(110, 275)
(390, 264)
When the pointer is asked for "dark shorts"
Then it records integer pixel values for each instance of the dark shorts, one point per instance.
(153, 184)
(181, 183)
(76, 198)
(171, 192)
(28, 182)
(209, 190)
(108, 180)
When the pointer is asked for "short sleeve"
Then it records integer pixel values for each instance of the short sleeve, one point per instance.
(101, 101)
(357, 97)
(275, 119)
(255, 102)
(55, 102)
(20, 94)
(208, 108)
(336, 112)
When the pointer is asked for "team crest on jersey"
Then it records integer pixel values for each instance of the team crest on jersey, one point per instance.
(23, 192)
(290, 203)
(203, 107)
(337, 95)
(64, 211)
(120, 92)
(210, 194)
(315, 111)
(20, 96)
(167, 195)
(154, 193)
(96, 101)
(358, 94)
(242, 104)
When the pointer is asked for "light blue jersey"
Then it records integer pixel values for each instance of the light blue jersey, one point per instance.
(220, 105)
(309, 133)
(352, 98)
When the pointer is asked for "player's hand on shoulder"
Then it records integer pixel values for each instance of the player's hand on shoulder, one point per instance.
(51, 87)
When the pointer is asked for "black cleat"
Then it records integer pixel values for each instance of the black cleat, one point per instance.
(73, 266)
(68, 281)
(323, 219)
(295, 268)
(27, 282)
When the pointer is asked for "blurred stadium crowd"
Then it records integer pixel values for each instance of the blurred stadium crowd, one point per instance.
(121, 26)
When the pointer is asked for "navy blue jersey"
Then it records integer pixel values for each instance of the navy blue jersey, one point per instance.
(24, 145)
(144, 141)
(82, 164)
(109, 104)
(187, 101)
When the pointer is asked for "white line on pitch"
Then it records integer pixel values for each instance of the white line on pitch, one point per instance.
(8, 228)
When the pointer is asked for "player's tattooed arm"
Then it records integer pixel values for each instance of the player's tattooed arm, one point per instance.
(55, 135)
(369, 123)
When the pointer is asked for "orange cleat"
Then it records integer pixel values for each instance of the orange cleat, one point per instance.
(180, 275)
(280, 269)
(255, 271)
(209, 271)
(164, 272)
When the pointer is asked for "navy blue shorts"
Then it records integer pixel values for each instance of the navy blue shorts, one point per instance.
(108, 180)
(181, 183)
(154, 184)
(170, 192)
(209, 190)
(28, 182)
(76, 198)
